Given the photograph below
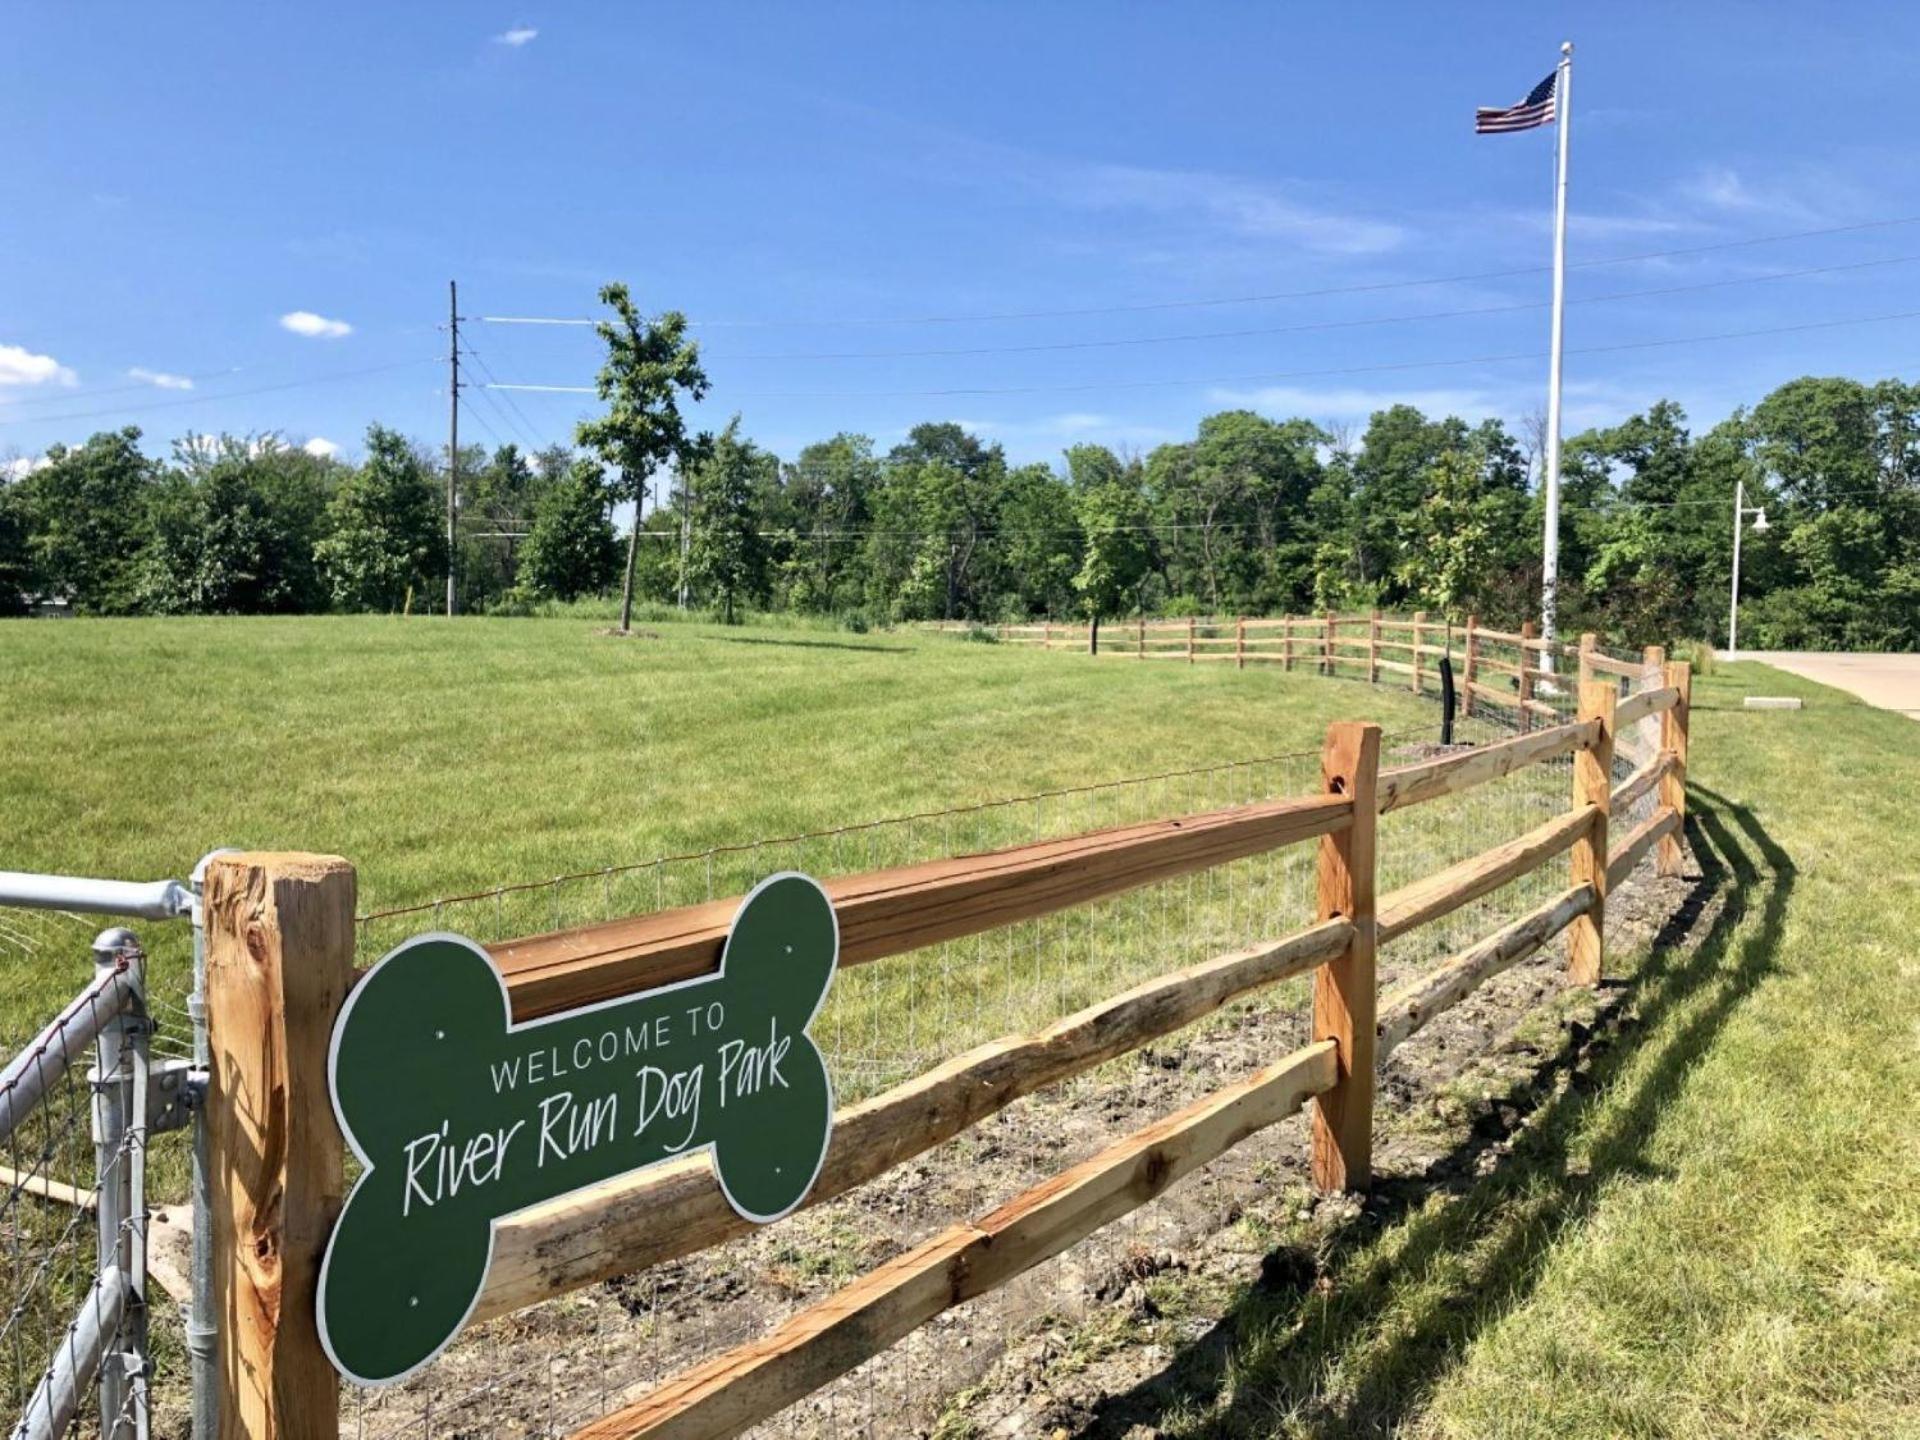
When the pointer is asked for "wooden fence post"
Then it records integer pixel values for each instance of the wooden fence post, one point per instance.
(1344, 989)
(1192, 626)
(1653, 668)
(1470, 668)
(1589, 642)
(1326, 647)
(1093, 636)
(1141, 636)
(1527, 666)
(1673, 785)
(1592, 785)
(1240, 644)
(1373, 648)
(279, 964)
(1419, 619)
(1286, 642)
(1046, 634)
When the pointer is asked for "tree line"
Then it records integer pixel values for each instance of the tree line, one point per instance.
(1252, 515)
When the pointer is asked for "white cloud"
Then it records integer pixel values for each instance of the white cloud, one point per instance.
(160, 378)
(1071, 422)
(516, 37)
(1351, 402)
(1046, 434)
(1721, 188)
(22, 466)
(1255, 209)
(1588, 403)
(20, 366)
(1191, 206)
(322, 447)
(305, 322)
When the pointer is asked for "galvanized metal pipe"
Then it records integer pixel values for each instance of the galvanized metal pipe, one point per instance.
(116, 1195)
(201, 1320)
(27, 1078)
(137, 899)
(55, 1401)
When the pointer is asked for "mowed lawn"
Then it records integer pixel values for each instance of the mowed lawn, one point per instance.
(1731, 1246)
(1709, 1223)
(446, 757)
(1713, 1229)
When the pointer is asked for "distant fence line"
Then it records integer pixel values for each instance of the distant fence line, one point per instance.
(1499, 668)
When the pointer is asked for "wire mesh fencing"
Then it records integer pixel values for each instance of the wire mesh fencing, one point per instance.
(547, 1370)
(73, 1217)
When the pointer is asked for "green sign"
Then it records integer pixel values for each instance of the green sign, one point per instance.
(461, 1117)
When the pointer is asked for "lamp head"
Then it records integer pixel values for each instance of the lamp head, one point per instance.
(1760, 522)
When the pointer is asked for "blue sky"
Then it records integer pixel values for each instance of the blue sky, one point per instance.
(181, 181)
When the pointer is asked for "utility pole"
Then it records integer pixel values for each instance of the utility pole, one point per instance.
(453, 432)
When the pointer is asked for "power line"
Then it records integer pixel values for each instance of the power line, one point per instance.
(524, 427)
(498, 412)
(481, 420)
(221, 395)
(1270, 375)
(89, 392)
(1134, 341)
(1260, 299)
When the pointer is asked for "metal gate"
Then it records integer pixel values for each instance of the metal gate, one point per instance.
(74, 1316)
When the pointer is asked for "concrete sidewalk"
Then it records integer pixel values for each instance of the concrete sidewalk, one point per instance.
(1891, 682)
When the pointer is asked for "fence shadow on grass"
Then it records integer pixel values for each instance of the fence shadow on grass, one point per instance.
(816, 644)
(1309, 1320)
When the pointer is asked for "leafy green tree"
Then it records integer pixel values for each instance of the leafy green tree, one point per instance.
(726, 554)
(1118, 549)
(1451, 545)
(1038, 530)
(936, 526)
(650, 365)
(570, 549)
(87, 518)
(500, 496)
(384, 528)
(16, 566)
(828, 494)
(232, 529)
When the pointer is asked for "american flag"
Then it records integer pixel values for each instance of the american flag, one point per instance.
(1529, 114)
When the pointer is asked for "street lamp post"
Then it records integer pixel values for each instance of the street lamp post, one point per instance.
(1740, 512)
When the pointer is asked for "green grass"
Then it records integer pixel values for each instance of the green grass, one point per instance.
(1713, 1227)
(443, 758)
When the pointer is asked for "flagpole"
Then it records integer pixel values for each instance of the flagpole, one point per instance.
(1550, 544)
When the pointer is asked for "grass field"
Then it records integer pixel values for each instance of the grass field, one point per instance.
(1716, 1232)
(1709, 1221)
(447, 758)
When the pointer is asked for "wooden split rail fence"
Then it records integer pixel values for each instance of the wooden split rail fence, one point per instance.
(280, 967)
(1503, 669)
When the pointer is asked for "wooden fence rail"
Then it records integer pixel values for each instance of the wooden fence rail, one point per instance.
(743, 1386)
(1367, 632)
(277, 980)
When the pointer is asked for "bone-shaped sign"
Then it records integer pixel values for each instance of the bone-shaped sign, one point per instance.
(460, 1118)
